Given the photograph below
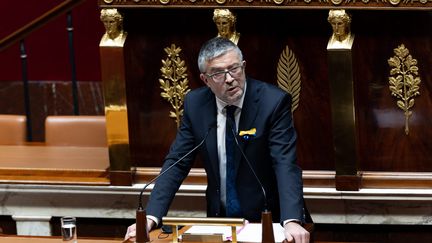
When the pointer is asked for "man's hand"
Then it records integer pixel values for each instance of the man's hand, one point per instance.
(295, 233)
(131, 230)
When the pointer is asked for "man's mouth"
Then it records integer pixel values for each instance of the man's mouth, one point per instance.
(230, 89)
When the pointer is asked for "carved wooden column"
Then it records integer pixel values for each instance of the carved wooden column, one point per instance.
(114, 80)
(342, 101)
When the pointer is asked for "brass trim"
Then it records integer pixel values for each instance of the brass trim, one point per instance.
(404, 82)
(378, 4)
(203, 221)
(175, 221)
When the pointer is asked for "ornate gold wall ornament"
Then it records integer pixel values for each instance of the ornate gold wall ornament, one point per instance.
(353, 4)
(403, 80)
(288, 76)
(278, 2)
(336, 2)
(174, 82)
(394, 2)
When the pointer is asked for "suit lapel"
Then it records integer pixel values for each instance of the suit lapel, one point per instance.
(209, 119)
(248, 114)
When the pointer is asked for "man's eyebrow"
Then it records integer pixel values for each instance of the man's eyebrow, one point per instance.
(218, 69)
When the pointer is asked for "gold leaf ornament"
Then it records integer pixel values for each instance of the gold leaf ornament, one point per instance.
(404, 83)
(174, 82)
(288, 76)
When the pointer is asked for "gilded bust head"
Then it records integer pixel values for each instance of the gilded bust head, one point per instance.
(113, 22)
(340, 22)
(225, 22)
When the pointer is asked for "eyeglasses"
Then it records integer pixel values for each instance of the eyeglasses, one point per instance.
(220, 76)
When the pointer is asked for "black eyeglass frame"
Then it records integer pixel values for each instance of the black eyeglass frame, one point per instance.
(225, 72)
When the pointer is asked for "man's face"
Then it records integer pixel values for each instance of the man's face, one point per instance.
(224, 27)
(231, 88)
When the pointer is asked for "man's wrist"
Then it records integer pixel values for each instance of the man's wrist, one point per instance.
(154, 219)
(285, 222)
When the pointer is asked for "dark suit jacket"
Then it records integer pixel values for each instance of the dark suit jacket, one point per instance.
(271, 153)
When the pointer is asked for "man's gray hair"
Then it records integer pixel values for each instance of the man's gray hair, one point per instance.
(213, 48)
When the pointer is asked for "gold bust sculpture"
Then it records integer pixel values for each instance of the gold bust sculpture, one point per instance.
(225, 22)
(340, 21)
(113, 22)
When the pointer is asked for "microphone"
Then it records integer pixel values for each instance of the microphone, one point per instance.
(266, 216)
(142, 234)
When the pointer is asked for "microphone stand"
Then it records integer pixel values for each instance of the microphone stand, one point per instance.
(142, 233)
(267, 235)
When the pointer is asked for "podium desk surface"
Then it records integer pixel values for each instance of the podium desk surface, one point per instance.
(41, 239)
(41, 164)
(156, 235)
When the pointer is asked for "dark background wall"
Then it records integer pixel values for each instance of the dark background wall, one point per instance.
(49, 69)
(47, 48)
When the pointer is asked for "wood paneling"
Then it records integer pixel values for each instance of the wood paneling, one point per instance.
(383, 144)
(264, 35)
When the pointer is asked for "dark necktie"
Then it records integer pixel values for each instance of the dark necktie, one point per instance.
(232, 202)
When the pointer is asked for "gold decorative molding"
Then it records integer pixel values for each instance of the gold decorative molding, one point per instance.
(174, 82)
(288, 76)
(404, 81)
(360, 4)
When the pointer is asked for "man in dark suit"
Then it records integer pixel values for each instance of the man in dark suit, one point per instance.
(262, 114)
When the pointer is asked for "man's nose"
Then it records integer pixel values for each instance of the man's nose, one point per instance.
(228, 77)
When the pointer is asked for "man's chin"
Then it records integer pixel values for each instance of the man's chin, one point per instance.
(232, 99)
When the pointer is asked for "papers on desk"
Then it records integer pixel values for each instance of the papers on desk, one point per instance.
(247, 233)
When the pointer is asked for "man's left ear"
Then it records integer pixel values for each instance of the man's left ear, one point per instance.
(204, 78)
(244, 64)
